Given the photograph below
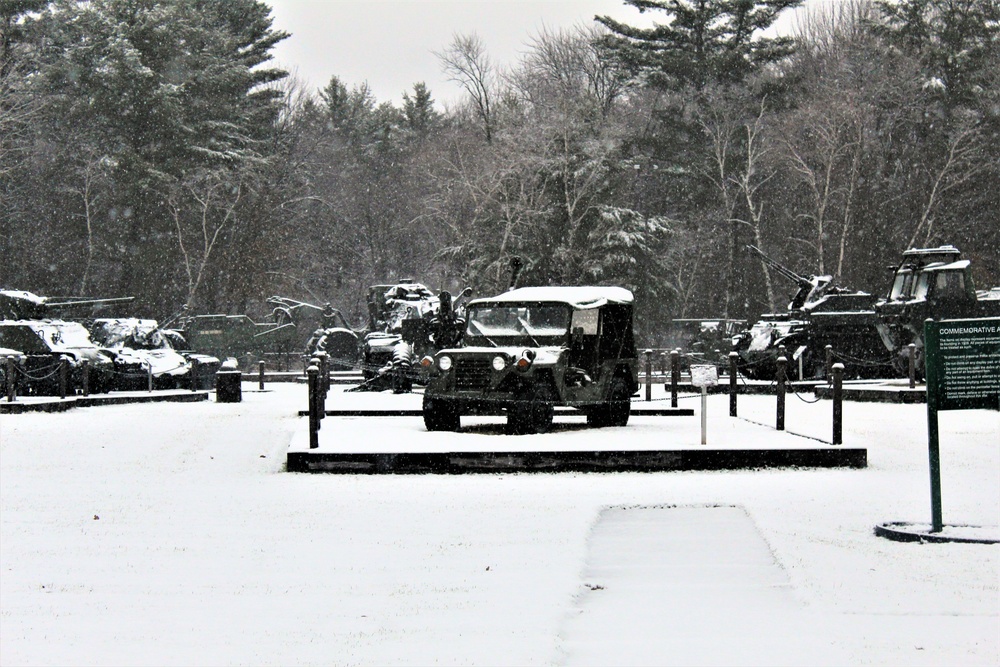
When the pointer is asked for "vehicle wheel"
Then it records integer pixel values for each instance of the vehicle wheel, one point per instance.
(441, 415)
(616, 411)
(533, 412)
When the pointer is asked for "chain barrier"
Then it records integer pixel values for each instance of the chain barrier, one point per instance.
(804, 400)
(861, 362)
(38, 378)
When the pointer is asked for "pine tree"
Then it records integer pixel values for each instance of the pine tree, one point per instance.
(701, 42)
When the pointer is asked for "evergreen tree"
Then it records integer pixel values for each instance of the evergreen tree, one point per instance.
(701, 42)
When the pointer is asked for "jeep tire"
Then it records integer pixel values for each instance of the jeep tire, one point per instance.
(441, 415)
(533, 412)
(615, 411)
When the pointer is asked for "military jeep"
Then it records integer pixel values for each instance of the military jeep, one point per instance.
(531, 349)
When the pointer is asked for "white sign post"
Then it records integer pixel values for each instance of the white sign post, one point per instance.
(704, 376)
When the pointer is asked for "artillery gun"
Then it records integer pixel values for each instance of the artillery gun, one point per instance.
(819, 314)
(406, 321)
(929, 283)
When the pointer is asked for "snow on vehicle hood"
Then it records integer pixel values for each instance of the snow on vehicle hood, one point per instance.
(581, 297)
(543, 355)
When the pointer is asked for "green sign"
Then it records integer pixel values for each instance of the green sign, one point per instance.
(962, 358)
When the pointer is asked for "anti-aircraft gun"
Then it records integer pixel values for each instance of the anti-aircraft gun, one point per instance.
(406, 322)
(819, 314)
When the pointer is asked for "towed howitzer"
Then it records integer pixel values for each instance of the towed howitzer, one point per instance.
(819, 314)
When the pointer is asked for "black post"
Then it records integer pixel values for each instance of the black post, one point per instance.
(260, 374)
(912, 353)
(829, 363)
(649, 375)
(11, 379)
(317, 394)
(194, 375)
(663, 369)
(838, 404)
(733, 358)
(63, 376)
(85, 376)
(780, 421)
(675, 375)
(324, 374)
(313, 373)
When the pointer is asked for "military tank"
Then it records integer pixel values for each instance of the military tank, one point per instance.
(819, 314)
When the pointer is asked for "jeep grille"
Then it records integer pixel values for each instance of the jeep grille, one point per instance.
(472, 373)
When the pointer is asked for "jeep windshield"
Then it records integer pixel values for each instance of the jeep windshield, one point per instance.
(514, 324)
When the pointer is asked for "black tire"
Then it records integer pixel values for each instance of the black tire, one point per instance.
(441, 415)
(616, 410)
(533, 412)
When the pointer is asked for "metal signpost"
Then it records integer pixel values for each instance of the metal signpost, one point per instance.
(962, 360)
(704, 376)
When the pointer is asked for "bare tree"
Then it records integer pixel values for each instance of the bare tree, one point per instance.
(201, 207)
(466, 63)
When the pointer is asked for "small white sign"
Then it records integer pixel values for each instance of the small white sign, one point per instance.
(704, 375)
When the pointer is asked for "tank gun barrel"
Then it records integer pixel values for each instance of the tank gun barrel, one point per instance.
(69, 301)
(801, 281)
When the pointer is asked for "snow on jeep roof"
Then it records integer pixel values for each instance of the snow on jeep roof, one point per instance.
(578, 297)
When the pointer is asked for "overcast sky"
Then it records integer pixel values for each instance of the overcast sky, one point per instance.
(390, 43)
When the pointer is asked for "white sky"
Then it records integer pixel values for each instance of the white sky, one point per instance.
(391, 43)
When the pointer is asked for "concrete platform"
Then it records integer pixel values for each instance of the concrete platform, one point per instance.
(903, 531)
(649, 443)
(56, 404)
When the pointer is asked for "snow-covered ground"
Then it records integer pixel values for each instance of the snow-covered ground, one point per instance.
(169, 534)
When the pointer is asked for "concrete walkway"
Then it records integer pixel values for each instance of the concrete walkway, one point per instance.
(688, 586)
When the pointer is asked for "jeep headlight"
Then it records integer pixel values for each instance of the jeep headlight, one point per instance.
(499, 363)
(444, 362)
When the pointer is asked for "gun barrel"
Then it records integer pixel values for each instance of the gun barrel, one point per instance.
(802, 281)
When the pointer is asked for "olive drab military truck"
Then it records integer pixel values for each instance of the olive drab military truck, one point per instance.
(929, 283)
(531, 349)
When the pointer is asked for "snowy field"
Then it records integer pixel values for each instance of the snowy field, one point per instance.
(169, 534)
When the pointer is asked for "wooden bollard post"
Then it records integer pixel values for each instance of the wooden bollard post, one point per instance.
(733, 359)
(194, 374)
(260, 374)
(675, 375)
(663, 370)
(313, 374)
(838, 404)
(11, 379)
(911, 351)
(649, 375)
(829, 363)
(85, 376)
(780, 419)
(63, 376)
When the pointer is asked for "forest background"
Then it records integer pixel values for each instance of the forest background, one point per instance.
(148, 149)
